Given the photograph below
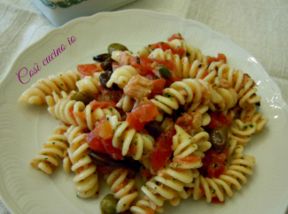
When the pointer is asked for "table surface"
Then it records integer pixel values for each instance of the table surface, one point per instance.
(259, 26)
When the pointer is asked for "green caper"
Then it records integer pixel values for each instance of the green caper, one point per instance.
(108, 204)
(165, 73)
(81, 96)
(116, 47)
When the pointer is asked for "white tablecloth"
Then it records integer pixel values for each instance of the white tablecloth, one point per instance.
(259, 26)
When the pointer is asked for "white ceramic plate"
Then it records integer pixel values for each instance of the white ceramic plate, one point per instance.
(23, 129)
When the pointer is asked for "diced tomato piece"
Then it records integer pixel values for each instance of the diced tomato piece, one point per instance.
(214, 163)
(105, 146)
(163, 150)
(165, 46)
(89, 69)
(134, 122)
(146, 67)
(215, 169)
(158, 86)
(100, 140)
(145, 173)
(143, 64)
(141, 115)
(175, 36)
(95, 143)
(162, 45)
(219, 120)
(115, 153)
(179, 51)
(220, 57)
(185, 121)
(102, 104)
(169, 64)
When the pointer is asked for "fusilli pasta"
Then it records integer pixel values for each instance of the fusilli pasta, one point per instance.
(52, 151)
(86, 178)
(177, 117)
(62, 82)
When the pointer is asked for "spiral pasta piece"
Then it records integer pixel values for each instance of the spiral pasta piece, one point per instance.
(250, 114)
(180, 47)
(52, 152)
(121, 76)
(145, 206)
(223, 99)
(126, 103)
(123, 188)
(185, 146)
(75, 113)
(241, 82)
(241, 132)
(38, 91)
(67, 164)
(52, 99)
(89, 84)
(187, 91)
(170, 181)
(183, 67)
(86, 178)
(186, 192)
(232, 179)
(130, 142)
(165, 185)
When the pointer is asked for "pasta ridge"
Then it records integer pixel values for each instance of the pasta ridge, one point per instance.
(123, 188)
(76, 113)
(187, 91)
(86, 178)
(132, 143)
(171, 180)
(37, 92)
(240, 166)
(52, 152)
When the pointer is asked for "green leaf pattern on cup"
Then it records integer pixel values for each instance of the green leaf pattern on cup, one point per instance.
(62, 4)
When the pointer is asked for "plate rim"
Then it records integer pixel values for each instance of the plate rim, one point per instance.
(9, 204)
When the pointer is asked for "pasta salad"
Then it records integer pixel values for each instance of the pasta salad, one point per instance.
(161, 125)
